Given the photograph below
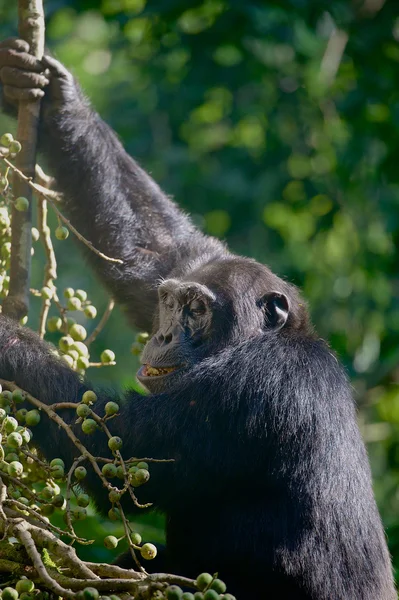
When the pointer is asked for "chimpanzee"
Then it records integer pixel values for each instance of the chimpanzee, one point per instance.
(271, 484)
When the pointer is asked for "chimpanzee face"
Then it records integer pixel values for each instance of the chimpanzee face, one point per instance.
(220, 304)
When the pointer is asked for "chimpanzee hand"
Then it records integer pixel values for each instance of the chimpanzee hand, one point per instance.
(23, 77)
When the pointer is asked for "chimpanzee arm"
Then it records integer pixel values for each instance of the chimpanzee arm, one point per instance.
(108, 197)
(31, 364)
(152, 426)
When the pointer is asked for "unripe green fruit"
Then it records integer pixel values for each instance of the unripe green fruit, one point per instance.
(15, 469)
(24, 585)
(57, 461)
(14, 440)
(173, 592)
(219, 586)
(10, 424)
(80, 473)
(65, 343)
(90, 593)
(54, 324)
(89, 426)
(140, 477)
(90, 311)
(47, 510)
(9, 593)
(74, 304)
(142, 338)
(107, 356)
(22, 204)
(16, 494)
(110, 542)
(148, 551)
(111, 408)
(73, 354)
(81, 348)
(6, 251)
(57, 472)
(188, 596)
(15, 147)
(198, 596)
(83, 363)
(119, 472)
(211, 595)
(61, 233)
(109, 470)
(32, 418)
(58, 501)
(83, 500)
(6, 139)
(18, 396)
(70, 321)
(3, 414)
(114, 496)
(26, 435)
(24, 320)
(11, 456)
(69, 292)
(136, 349)
(142, 465)
(78, 333)
(47, 492)
(83, 411)
(203, 581)
(81, 294)
(136, 538)
(89, 397)
(6, 395)
(47, 293)
(68, 360)
(21, 414)
(115, 443)
(79, 513)
(114, 514)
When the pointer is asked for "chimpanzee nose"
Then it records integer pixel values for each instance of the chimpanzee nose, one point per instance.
(163, 340)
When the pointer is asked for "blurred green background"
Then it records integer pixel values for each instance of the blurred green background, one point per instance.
(276, 125)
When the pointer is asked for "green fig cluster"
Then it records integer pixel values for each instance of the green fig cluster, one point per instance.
(72, 343)
(5, 235)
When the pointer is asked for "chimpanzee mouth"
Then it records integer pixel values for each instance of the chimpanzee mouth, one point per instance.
(151, 371)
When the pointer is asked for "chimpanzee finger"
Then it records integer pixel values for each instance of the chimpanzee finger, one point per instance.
(20, 60)
(15, 43)
(22, 79)
(55, 67)
(26, 94)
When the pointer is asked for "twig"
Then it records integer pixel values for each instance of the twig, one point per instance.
(102, 323)
(45, 183)
(50, 271)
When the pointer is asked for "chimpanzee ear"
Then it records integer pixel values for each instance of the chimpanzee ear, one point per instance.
(276, 309)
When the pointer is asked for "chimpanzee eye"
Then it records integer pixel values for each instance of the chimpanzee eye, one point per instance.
(197, 307)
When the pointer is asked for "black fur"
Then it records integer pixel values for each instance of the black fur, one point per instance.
(271, 485)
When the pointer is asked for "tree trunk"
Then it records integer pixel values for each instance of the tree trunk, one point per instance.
(16, 304)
